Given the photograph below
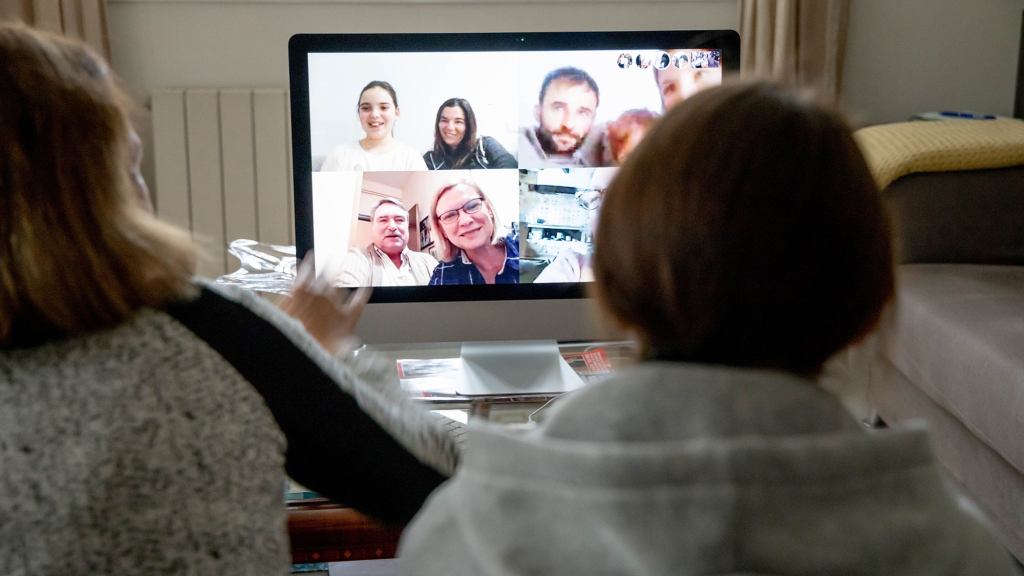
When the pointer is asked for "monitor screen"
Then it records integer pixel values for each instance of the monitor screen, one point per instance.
(470, 167)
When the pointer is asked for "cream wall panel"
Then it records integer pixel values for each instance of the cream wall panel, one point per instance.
(93, 24)
(238, 164)
(222, 164)
(47, 15)
(185, 44)
(170, 153)
(205, 179)
(273, 174)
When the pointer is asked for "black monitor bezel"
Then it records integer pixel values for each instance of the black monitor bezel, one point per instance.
(301, 45)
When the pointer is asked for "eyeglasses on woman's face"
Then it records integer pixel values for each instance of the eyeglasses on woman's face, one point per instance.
(471, 207)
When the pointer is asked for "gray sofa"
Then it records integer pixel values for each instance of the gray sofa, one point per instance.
(952, 350)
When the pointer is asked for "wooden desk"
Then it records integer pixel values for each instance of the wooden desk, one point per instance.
(322, 531)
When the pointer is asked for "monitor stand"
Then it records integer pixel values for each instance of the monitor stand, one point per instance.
(515, 368)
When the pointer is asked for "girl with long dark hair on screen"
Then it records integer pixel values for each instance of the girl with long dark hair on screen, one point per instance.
(456, 145)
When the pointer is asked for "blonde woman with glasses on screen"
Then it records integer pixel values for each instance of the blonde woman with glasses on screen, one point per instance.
(148, 419)
(744, 243)
(469, 239)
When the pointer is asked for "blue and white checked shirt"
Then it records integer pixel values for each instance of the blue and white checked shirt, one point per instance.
(462, 271)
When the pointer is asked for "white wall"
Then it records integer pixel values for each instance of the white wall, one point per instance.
(908, 56)
(903, 56)
(232, 43)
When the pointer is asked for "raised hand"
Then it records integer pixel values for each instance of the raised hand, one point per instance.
(329, 313)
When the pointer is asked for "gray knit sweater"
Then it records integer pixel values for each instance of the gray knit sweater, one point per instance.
(160, 446)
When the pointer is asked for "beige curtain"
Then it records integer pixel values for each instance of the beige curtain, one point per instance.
(83, 19)
(797, 42)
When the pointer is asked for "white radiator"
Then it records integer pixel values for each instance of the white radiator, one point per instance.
(223, 168)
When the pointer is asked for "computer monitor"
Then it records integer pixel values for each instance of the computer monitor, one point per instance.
(552, 115)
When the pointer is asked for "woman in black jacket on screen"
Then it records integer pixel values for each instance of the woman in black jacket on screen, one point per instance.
(456, 145)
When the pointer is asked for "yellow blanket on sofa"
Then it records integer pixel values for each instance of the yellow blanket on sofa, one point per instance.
(896, 150)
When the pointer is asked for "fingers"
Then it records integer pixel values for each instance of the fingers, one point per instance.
(331, 269)
(323, 283)
(329, 313)
(299, 301)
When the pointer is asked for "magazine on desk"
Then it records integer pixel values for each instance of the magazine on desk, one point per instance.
(436, 379)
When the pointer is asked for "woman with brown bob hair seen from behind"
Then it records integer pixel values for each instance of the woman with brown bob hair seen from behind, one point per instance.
(755, 237)
(148, 419)
(744, 243)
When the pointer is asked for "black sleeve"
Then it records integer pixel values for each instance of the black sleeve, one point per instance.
(334, 448)
(496, 154)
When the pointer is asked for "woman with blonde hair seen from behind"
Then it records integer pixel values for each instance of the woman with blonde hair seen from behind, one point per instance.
(147, 419)
(744, 243)
(472, 246)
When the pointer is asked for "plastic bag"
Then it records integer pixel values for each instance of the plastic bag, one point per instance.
(264, 267)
